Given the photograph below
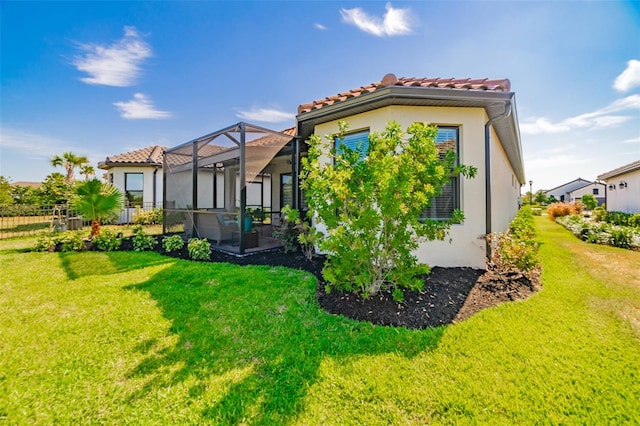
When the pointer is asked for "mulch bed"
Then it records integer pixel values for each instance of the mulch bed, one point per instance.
(449, 294)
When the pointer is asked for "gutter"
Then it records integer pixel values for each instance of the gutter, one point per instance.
(155, 186)
(508, 108)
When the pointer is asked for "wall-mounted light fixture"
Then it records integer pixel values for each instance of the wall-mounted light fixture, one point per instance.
(623, 184)
(612, 187)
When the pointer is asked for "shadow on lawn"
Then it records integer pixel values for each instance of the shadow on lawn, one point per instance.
(258, 333)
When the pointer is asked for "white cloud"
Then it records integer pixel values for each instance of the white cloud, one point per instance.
(117, 64)
(632, 140)
(601, 118)
(267, 115)
(394, 22)
(35, 144)
(140, 107)
(629, 78)
(319, 26)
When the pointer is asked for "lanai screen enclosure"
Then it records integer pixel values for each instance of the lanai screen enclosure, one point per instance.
(242, 174)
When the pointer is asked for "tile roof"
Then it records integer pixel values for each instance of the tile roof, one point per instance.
(148, 155)
(479, 84)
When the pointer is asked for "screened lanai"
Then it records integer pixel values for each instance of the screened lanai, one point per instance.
(242, 174)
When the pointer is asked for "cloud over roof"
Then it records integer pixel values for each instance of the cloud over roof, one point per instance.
(394, 22)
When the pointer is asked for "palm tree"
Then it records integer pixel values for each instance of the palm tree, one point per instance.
(87, 170)
(98, 201)
(69, 161)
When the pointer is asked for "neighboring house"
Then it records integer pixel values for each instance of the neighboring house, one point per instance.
(139, 175)
(623, 188)
(477, 118)
(597, 189)
(562, 192)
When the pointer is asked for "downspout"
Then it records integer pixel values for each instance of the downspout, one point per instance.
(155, 187)
(508, 106)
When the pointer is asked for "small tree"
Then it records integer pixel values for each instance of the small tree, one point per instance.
(54, 189)
(69, 161)
(5, 191)
(372, 203)
(98, 201)
(540, 197)
(589, 201)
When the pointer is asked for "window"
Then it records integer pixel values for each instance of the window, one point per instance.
(133, 188)
(354, 141)
(286, 190)
(442, 206)
(596, 191)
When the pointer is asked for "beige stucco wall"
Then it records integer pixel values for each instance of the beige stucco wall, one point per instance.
(624, 199)
(464, 246)
(578, 193)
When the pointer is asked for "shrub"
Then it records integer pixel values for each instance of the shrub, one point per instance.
(142, 241)
(517, 249)
(287, 231)
(371, 201)
(563, 209)
(199, 249)
(589, 201)
(621, 238)
(599, 213)
(108, 240)
(60, 241)
(147, 217)
(172, 243)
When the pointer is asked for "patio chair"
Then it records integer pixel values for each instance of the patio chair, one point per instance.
(215, 226)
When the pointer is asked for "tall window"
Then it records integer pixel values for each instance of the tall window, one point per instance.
(133, 188)
(286, 190)
(353, 141)
(442, 206)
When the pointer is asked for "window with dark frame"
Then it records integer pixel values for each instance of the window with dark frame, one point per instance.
(286, 190)
(442, 206)
(134, 188)
(596, 191)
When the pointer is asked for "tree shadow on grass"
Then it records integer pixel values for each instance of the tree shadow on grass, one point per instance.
(77, 265)
(259, 334)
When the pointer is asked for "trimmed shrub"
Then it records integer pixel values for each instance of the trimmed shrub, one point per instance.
(199, 249)
(172, 243)
(142, 241)
(147, 217)
(517, 249)
(108, 240)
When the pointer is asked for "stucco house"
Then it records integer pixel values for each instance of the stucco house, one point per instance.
(597, 189)
(138, 174)
(563, 192)
(476, 117)
(623, 188)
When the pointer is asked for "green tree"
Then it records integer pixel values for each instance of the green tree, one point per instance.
(372, 205)
(24, 195)
(69, 161)
(97, 201)
(87, 171)
(540, 197)
(54, 189)
(589, 201)
(5, 191)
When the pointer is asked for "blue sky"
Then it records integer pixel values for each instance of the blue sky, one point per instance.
(103, 78)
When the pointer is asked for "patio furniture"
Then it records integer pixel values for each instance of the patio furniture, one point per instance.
(215, 226)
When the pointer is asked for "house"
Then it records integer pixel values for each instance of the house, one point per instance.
(623, 188)
(477, 118)
(562, 192)
(138, 174)
(597, 189)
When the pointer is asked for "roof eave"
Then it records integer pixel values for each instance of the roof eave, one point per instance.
(632, 167)
(492, 102)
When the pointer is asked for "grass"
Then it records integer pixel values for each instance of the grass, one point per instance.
(139, 338)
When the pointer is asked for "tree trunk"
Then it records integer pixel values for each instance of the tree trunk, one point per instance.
(95, 228)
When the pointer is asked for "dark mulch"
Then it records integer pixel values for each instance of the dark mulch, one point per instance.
(449, 294)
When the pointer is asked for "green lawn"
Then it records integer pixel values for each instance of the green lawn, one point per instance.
(139, 338)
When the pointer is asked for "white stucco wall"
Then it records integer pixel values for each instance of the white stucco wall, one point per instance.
(505, 187)
(625, 199)
(564, 190)
(147, 187)
(467, 247)
(577, 194)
